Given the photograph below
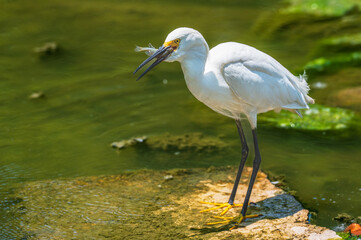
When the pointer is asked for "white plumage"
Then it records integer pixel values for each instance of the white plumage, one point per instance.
(233, 79)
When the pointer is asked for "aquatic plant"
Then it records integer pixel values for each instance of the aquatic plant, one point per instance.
(321, 7)
(324, 64)
(318, 118)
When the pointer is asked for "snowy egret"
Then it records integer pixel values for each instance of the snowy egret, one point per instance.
(235, 80)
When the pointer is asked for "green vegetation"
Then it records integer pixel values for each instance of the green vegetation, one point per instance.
(321, 7)
(336, 53)
(342, 43)
(322, 64)
(317, 118)
(347, 236)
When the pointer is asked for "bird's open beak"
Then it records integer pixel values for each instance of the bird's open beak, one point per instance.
(161, 54)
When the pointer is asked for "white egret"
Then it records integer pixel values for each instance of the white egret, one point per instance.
(233, 79)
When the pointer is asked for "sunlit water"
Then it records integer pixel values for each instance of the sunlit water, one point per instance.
(92, 99)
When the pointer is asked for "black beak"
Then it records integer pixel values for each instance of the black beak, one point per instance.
(161, 54)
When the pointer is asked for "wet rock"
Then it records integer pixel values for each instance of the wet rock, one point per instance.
(317, 118)
(348, 43)
(49, 48)
(344, 217)
(177, 143)
(191, 141)
(109, 206)
(130, 142)
(168, 177)
(332, 64)
(36, 95)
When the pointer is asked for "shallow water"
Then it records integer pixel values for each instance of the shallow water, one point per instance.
(92, 99)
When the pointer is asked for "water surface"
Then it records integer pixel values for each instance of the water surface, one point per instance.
(92, 99)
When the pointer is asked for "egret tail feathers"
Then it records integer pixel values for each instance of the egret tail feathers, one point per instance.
(304, 87)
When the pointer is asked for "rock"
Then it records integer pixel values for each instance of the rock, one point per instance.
(48, 48)
(168, 177)
(141, 204)
(167, 142)
(317, 118)
(191, 141)
(127, 143)
(327, 234)
(344, 217)
(36, 95)
(299, 230)
(332, 64)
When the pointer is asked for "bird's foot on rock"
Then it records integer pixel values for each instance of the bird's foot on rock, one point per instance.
(233, 220)
(226, 207)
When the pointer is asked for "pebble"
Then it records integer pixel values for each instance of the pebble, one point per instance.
(168, 177)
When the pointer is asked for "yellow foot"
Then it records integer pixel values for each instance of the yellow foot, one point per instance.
(227, 206)
(236, 220)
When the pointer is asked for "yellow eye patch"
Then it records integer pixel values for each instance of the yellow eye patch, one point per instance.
(173, 44)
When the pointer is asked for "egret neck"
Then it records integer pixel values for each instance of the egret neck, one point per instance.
(193, 65)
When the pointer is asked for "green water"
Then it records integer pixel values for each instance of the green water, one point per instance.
(92, 99)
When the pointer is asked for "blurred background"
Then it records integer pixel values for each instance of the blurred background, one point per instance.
(67, 92)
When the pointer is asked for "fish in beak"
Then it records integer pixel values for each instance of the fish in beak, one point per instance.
(160, 55)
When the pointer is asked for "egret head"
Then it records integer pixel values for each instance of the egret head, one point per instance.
(180, 43)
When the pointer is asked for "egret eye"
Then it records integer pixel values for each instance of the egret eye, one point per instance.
(176, 41)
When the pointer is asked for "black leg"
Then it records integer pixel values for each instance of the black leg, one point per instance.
(256, 164)
(243, 161)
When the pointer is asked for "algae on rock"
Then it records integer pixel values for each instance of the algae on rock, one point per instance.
(317, 118)
(166, 142)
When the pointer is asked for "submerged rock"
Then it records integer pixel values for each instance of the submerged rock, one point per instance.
(36, 95)
(191, 141)
(344, 217)
(130, 142)
(185, 142)
(349, 43)
(47, 49)
(324, 65)
(317, 118)
(141, 204)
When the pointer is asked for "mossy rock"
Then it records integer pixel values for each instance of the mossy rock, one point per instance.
(326, 65)
(167, 142)
(317, 118)
(335, 53)
(340, 44)
(191, 141)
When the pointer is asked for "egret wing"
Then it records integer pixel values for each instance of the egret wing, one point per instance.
(263, 84)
